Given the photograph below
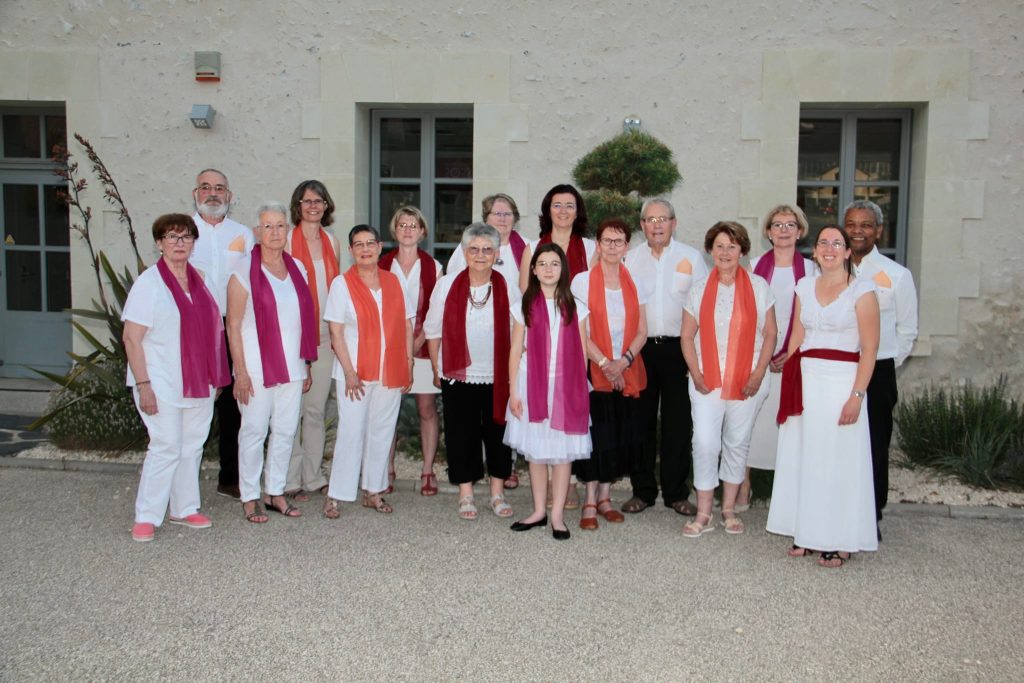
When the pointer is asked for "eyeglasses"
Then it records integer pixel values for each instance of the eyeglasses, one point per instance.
(207, 187)
(273, 226)
(368, 244)
(784, 227)
(568, 206)
(478, 251)
(502, 214)
(835, 244)
(179, 239)
(312, 202)
(657, 220)
(408, 226)
(609, 242)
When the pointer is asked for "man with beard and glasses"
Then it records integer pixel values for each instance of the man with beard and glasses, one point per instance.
(222, 243)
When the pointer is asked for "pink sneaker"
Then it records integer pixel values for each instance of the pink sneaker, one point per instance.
(143, 531)
(196, 520)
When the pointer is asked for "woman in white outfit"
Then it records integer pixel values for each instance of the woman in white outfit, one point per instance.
(175, 372)
(272, 335)
(823, 494)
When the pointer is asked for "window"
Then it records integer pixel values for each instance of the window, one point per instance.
(860, 154)
(424, 158)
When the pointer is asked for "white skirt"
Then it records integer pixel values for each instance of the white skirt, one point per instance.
(764, 440)
(423, 377)
(823, 494)
(539, 442)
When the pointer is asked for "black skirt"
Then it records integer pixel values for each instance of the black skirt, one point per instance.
(616, 430)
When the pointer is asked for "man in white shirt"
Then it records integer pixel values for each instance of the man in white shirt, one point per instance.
(666, 268)
(897, 303)
(221, 245)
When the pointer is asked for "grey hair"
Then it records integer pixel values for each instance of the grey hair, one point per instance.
(479, 229)
(214, 170)
(801, 219)
(865, 205)
(658, 200)
(271, 206)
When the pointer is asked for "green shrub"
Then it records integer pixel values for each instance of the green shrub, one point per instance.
(86, 414)
(606, 204)
(408, 430)
(974, 434)
(633, 161)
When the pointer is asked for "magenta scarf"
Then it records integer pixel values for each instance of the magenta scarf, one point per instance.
(268, 328)
(571, 409)
(204, 358)
(766, 269)
(518, 245)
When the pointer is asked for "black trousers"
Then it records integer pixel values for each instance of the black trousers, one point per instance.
(667, 389)
(230, 421)
(468, 424)
(882, 397)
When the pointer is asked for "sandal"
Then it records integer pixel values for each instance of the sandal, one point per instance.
(288, 510)
(695, 529)
(513, 480)
(684, 508)
(833, 559)
(732, 524)
(589, 523)
(799, 551)
(743, 507)
(467, 508)
(611, 514)
(500, 506)
(373, 500)
(257, 515)
(572, 498)
(298, 495)
(332, 508)
(634, 505)
(391, 482)
(429, 486)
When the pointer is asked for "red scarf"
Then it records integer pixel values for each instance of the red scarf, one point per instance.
(300, 250)
(791, 401)
(766, 269)
(576, 254)
(571, 408)
(396, 363)
(635, 375)
(454, 348)
(742, 329)
(204, 359)
(428, 278)
(518, 244)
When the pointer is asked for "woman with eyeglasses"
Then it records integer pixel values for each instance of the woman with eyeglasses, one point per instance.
(272, 335)
(468, 329)
(782, 266)
(370, 318)
(418, 272)
(316, 249)
(175, 372)
(500, 212)
(616, 332)
(823, 495)
(727, 337)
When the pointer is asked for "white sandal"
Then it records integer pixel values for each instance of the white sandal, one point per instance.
(467, 508)
(500, 506)
(695, 529)
(733, 524)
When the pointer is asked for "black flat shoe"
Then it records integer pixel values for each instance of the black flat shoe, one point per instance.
(526, 526)
(560, 534)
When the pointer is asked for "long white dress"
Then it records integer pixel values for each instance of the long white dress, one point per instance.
(823, 494)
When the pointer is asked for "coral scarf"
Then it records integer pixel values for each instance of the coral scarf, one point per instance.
(300, 250)
(396, 363)
(204, 358)
(766, 269)
(268, 327)
(428, 278)
(635, 375)
(571, 406)
(740, 346)
(454, 348)
(576, 254)
(791, 400)
(518, 244)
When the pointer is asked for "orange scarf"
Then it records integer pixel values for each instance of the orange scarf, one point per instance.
(635, 375)
(742, 327)
(396, 362)
(300, 250)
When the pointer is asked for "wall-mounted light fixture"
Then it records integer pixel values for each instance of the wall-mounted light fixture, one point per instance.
(631, 123)
(202, 115)
(207, 66)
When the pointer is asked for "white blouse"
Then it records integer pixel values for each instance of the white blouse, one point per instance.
(614, 304)
(782, 286)
(833, 326)
(763, 300)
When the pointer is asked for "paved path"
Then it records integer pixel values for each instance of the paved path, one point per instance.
(420, 595)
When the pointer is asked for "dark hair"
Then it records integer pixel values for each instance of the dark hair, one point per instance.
(564, 299)
(362, 227)
(736, 232)
(488, 203)
(614, 224)
(319, 188)
(846, 240)
(171, 222)
(579, 226)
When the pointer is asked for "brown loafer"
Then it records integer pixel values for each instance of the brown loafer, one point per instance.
(684, 507)
(634, 505)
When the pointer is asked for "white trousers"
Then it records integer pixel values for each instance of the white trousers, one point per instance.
(721, 427)
(170, 472)
(276, 408)
(305, 471)
(368, 425)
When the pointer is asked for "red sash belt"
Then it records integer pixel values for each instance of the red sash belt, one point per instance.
(791, 401)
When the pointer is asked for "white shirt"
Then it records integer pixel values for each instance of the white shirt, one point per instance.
(615, 306)
(668, 279)
(340, 309)
(833, 326)
(763, 300)
(479, 328)
(288, 321)
(216, 253)
(782, 285)
(411, 283)
(897, 304)
(506, 264)
(151, 304)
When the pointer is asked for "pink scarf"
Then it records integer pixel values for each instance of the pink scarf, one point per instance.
(268, 328)
(518, 244)
(766, 268)
(571, 409)
(204, 359)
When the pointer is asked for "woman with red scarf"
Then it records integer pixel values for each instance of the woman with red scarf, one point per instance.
(728, 337)
(175, 371)
(468, 329)
(418, 272)
(316, 249)
(501, 213)
(272, 334)
(616, 333)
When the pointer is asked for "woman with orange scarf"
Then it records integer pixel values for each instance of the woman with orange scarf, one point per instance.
(728, 337)
(312, 210)
(616, 332)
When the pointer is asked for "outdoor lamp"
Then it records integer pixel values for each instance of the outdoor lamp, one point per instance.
(202, 115)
